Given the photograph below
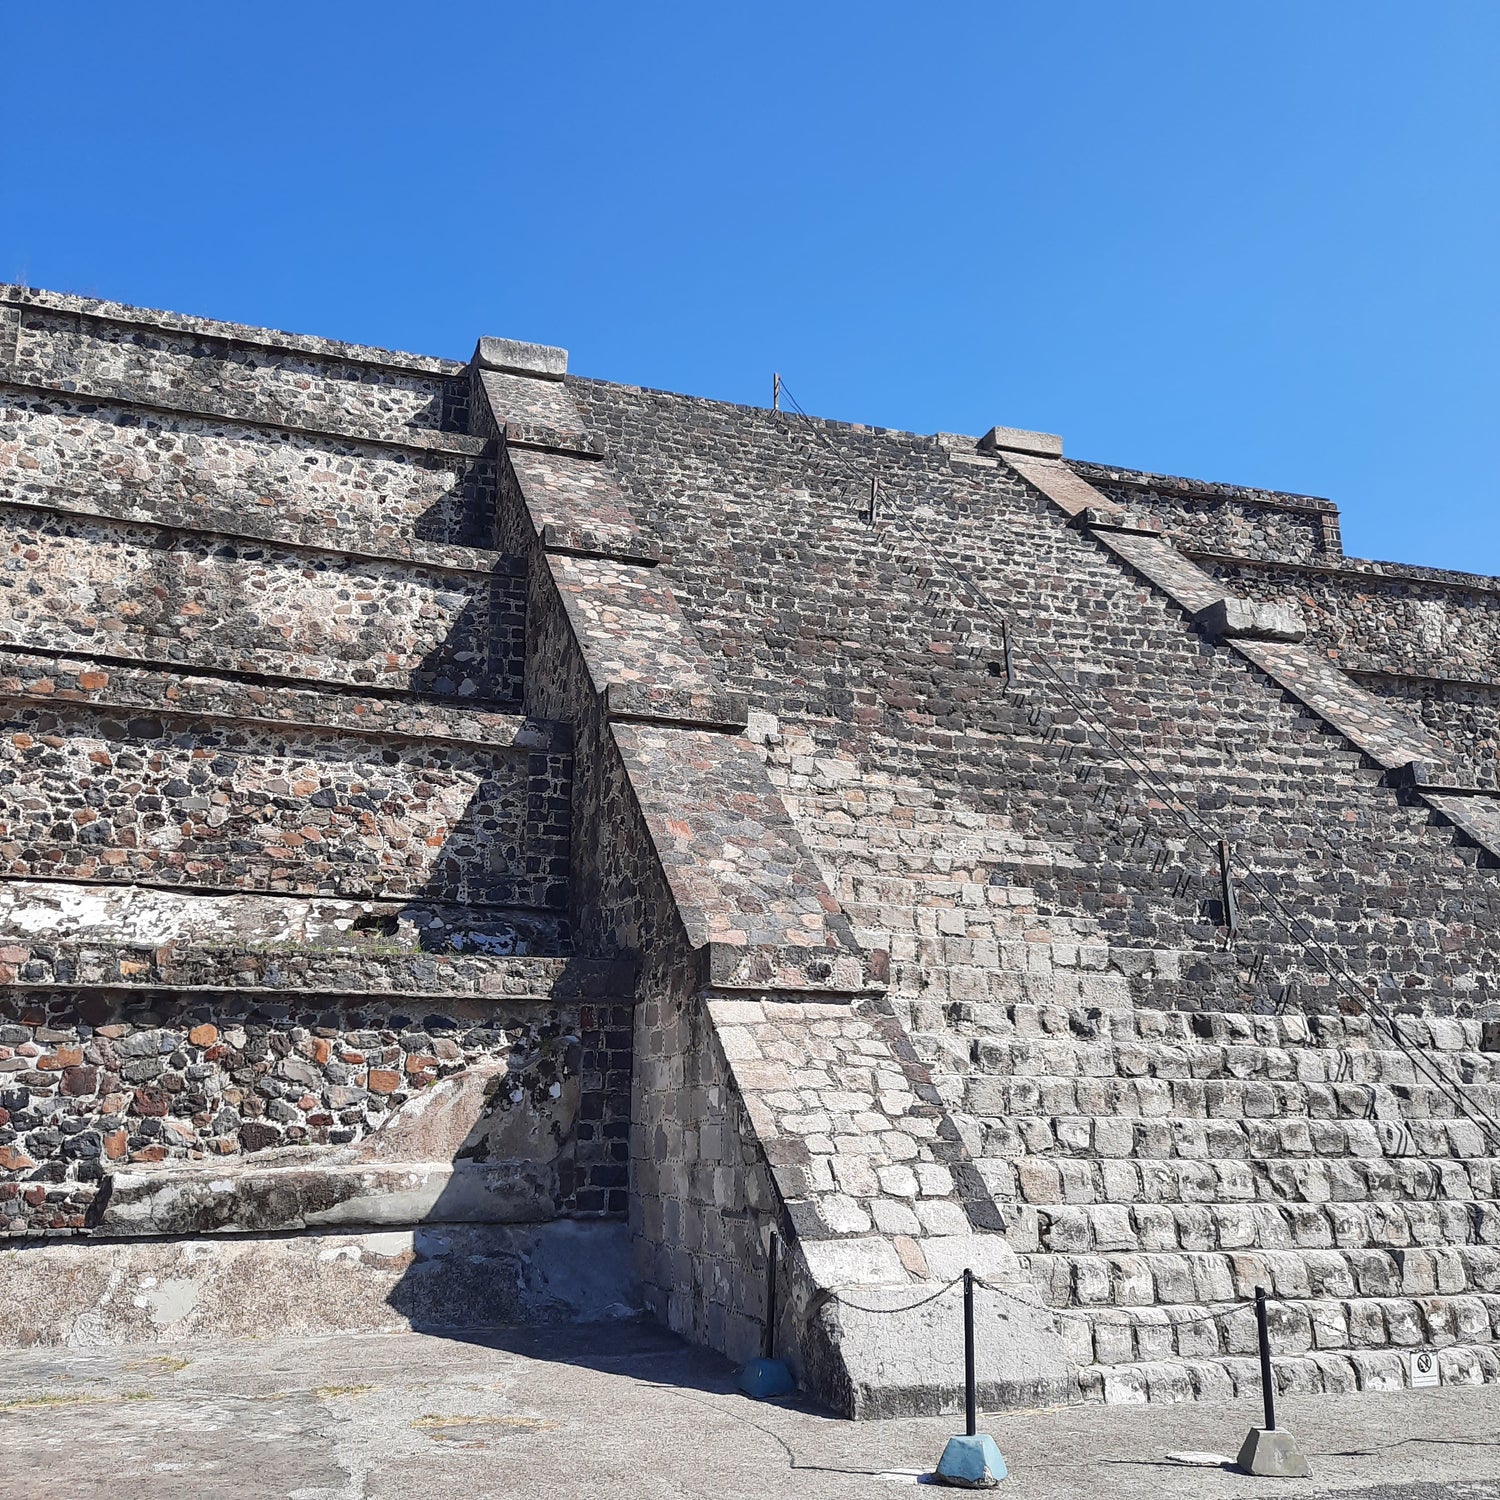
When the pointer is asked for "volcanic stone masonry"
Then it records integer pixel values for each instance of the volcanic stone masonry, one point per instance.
(485, 845)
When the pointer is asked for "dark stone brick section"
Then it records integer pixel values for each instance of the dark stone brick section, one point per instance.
(866, 642)
(1463, 717)
(89, 1083)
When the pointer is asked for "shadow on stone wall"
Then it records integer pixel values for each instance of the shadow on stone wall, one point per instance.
(464, 517)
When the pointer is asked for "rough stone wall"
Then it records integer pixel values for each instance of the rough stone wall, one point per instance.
(90, 1080)
(762, 1095)
(1464, 716)
(277, 869)
(111, 458)
(1427, 640)
(101, 351)
(86, 795)
(934, 964)
(1225, 518)
(152, 594)
(699, 1191)
(1388, 617)
(1153, 1109)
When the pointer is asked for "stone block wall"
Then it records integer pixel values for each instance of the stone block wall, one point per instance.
(1018, 829)
(1425, 640)
(1225, 519)
(864, 641)
(98, 1080)
(74, 345)
(768, 1093)
(283, 878)
(93, 794)
(151, 594)
(1386, 616)
(110, 458)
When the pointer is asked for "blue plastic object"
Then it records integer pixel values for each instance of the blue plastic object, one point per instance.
(971, 1463)
(766, 1379)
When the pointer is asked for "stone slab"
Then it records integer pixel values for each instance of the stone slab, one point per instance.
(1059, 483)
(1021, 440)
(1231, 618)
(735, 863)
(640, 650)
(873, 1354)
(82, 1294)
(575, 505)
(517, 357)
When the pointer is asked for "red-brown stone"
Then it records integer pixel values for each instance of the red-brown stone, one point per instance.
(80, 1081)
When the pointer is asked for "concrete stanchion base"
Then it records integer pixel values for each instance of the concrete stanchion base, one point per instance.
(765, 1379)
(971, 1463)
(1273, 1453)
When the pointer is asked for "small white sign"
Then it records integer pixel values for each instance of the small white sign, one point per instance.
(1424, 1368)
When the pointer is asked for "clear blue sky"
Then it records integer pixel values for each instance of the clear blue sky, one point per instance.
(1255, 242)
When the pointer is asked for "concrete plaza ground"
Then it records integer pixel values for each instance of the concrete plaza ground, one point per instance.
(626, 1410)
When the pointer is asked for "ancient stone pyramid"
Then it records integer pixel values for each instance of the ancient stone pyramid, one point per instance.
(483, 845)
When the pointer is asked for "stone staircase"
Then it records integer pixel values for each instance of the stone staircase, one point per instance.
(1158, 1167)
(1152, 1166)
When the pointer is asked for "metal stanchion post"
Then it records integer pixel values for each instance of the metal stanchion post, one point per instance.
(768, 1377)
(768, 1342)
(971, 1461)
(971, 1399)
(1267, 1378)
(1268, 1450)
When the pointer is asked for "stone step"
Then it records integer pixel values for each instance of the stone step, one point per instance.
(1327, 1372)
(1380, 1225)
(1358, 1179)
(94, 794)
(1148, 1100)
(1216, 1027)
(178, 599)
(318, 385)
(1151, 1279)
(1111, 1336)
(928, 1008)
(1023, 1138)
(188, 471)
(55, 932)
(1062, 1058)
